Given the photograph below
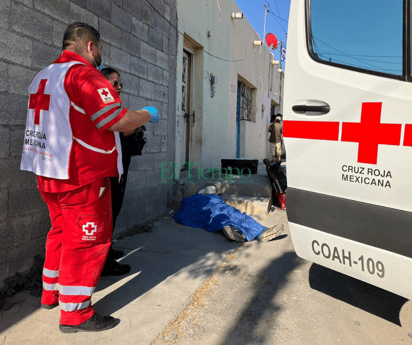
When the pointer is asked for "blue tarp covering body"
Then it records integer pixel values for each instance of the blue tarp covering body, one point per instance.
(210, 212)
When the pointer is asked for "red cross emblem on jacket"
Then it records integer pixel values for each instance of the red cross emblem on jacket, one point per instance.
(89, 228)
(39, 101)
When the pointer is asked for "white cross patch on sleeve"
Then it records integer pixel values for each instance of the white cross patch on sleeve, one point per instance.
(105, 95)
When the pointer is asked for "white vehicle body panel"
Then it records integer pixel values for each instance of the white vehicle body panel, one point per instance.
(324, 166)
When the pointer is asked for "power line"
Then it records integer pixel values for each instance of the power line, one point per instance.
(220, 15)
(216, 57)
(276, 17)
(362, 59)
(376, 56)
(351, 57)
(377, 68)
(275, 14)
(358, 66)
(271, 12)
(277, 8)
(279, 17)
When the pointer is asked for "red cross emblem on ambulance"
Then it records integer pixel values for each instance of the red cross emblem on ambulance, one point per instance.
(369, 133)
(89, 228)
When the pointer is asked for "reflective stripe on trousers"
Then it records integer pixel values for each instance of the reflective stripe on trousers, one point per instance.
(50, 273)
(76, 290)
(74, 306)
(50, 287)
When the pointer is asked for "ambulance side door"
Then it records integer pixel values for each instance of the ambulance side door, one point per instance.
(347, 117)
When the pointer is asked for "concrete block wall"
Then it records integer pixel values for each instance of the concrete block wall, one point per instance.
(138, 42)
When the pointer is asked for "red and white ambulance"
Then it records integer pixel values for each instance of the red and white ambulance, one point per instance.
(348, 135)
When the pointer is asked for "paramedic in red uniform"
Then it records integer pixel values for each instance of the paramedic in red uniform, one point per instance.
(72, 132)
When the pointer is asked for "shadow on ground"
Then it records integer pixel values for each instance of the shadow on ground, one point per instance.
(359, 294)
(257, 319)
(261, 310)
(175, 256)
(169, 257)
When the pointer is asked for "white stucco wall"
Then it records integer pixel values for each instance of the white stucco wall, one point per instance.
(230, 40)
(196, 19)
(257, 70)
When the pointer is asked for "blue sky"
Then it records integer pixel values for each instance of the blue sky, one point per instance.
(341, 30)
(254, 11)
(344, 34)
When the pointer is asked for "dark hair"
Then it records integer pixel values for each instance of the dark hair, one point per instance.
(273, 118)
(80, 32)
(108, 70)
(279, 114)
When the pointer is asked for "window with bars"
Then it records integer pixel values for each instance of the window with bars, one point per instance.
(246, 94)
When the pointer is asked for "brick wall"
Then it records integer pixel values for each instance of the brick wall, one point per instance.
(142, 46)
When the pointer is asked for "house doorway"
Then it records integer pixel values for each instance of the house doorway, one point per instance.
(187, 113)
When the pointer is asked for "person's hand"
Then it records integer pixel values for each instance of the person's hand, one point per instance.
(153, 113)
(128, 133)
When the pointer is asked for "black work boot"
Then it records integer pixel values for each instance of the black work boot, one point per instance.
(96, 323)
(49, 306)
(113, 268)
(114, 254)
(52, 305)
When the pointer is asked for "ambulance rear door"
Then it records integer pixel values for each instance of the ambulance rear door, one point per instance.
(348, 137)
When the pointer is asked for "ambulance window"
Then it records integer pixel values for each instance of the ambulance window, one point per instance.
(363, 34)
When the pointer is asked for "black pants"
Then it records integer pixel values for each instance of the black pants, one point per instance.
(118, 189)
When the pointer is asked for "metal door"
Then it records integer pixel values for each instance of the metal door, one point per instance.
(187, 114)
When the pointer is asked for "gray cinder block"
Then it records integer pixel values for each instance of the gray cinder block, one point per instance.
(15, 48)
(21, 78)
(120, 59)
(156, 39)
(134, 8)
(4, 144)
(147, 89)
(155, 74)
(162, 60)
(110, 33)
(147, 52)
(4, 204)
(80, 14)
(57, 9)
(32, 23)
(155, 145)
(130, 44)
(138, 67)
(25, 200)
(121, 18)
(103, 8)
(140, 30)
(161, 92)
(44, 55)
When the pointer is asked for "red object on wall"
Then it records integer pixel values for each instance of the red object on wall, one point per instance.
(271, 41)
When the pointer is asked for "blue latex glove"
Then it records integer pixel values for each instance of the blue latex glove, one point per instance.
(154, 113)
